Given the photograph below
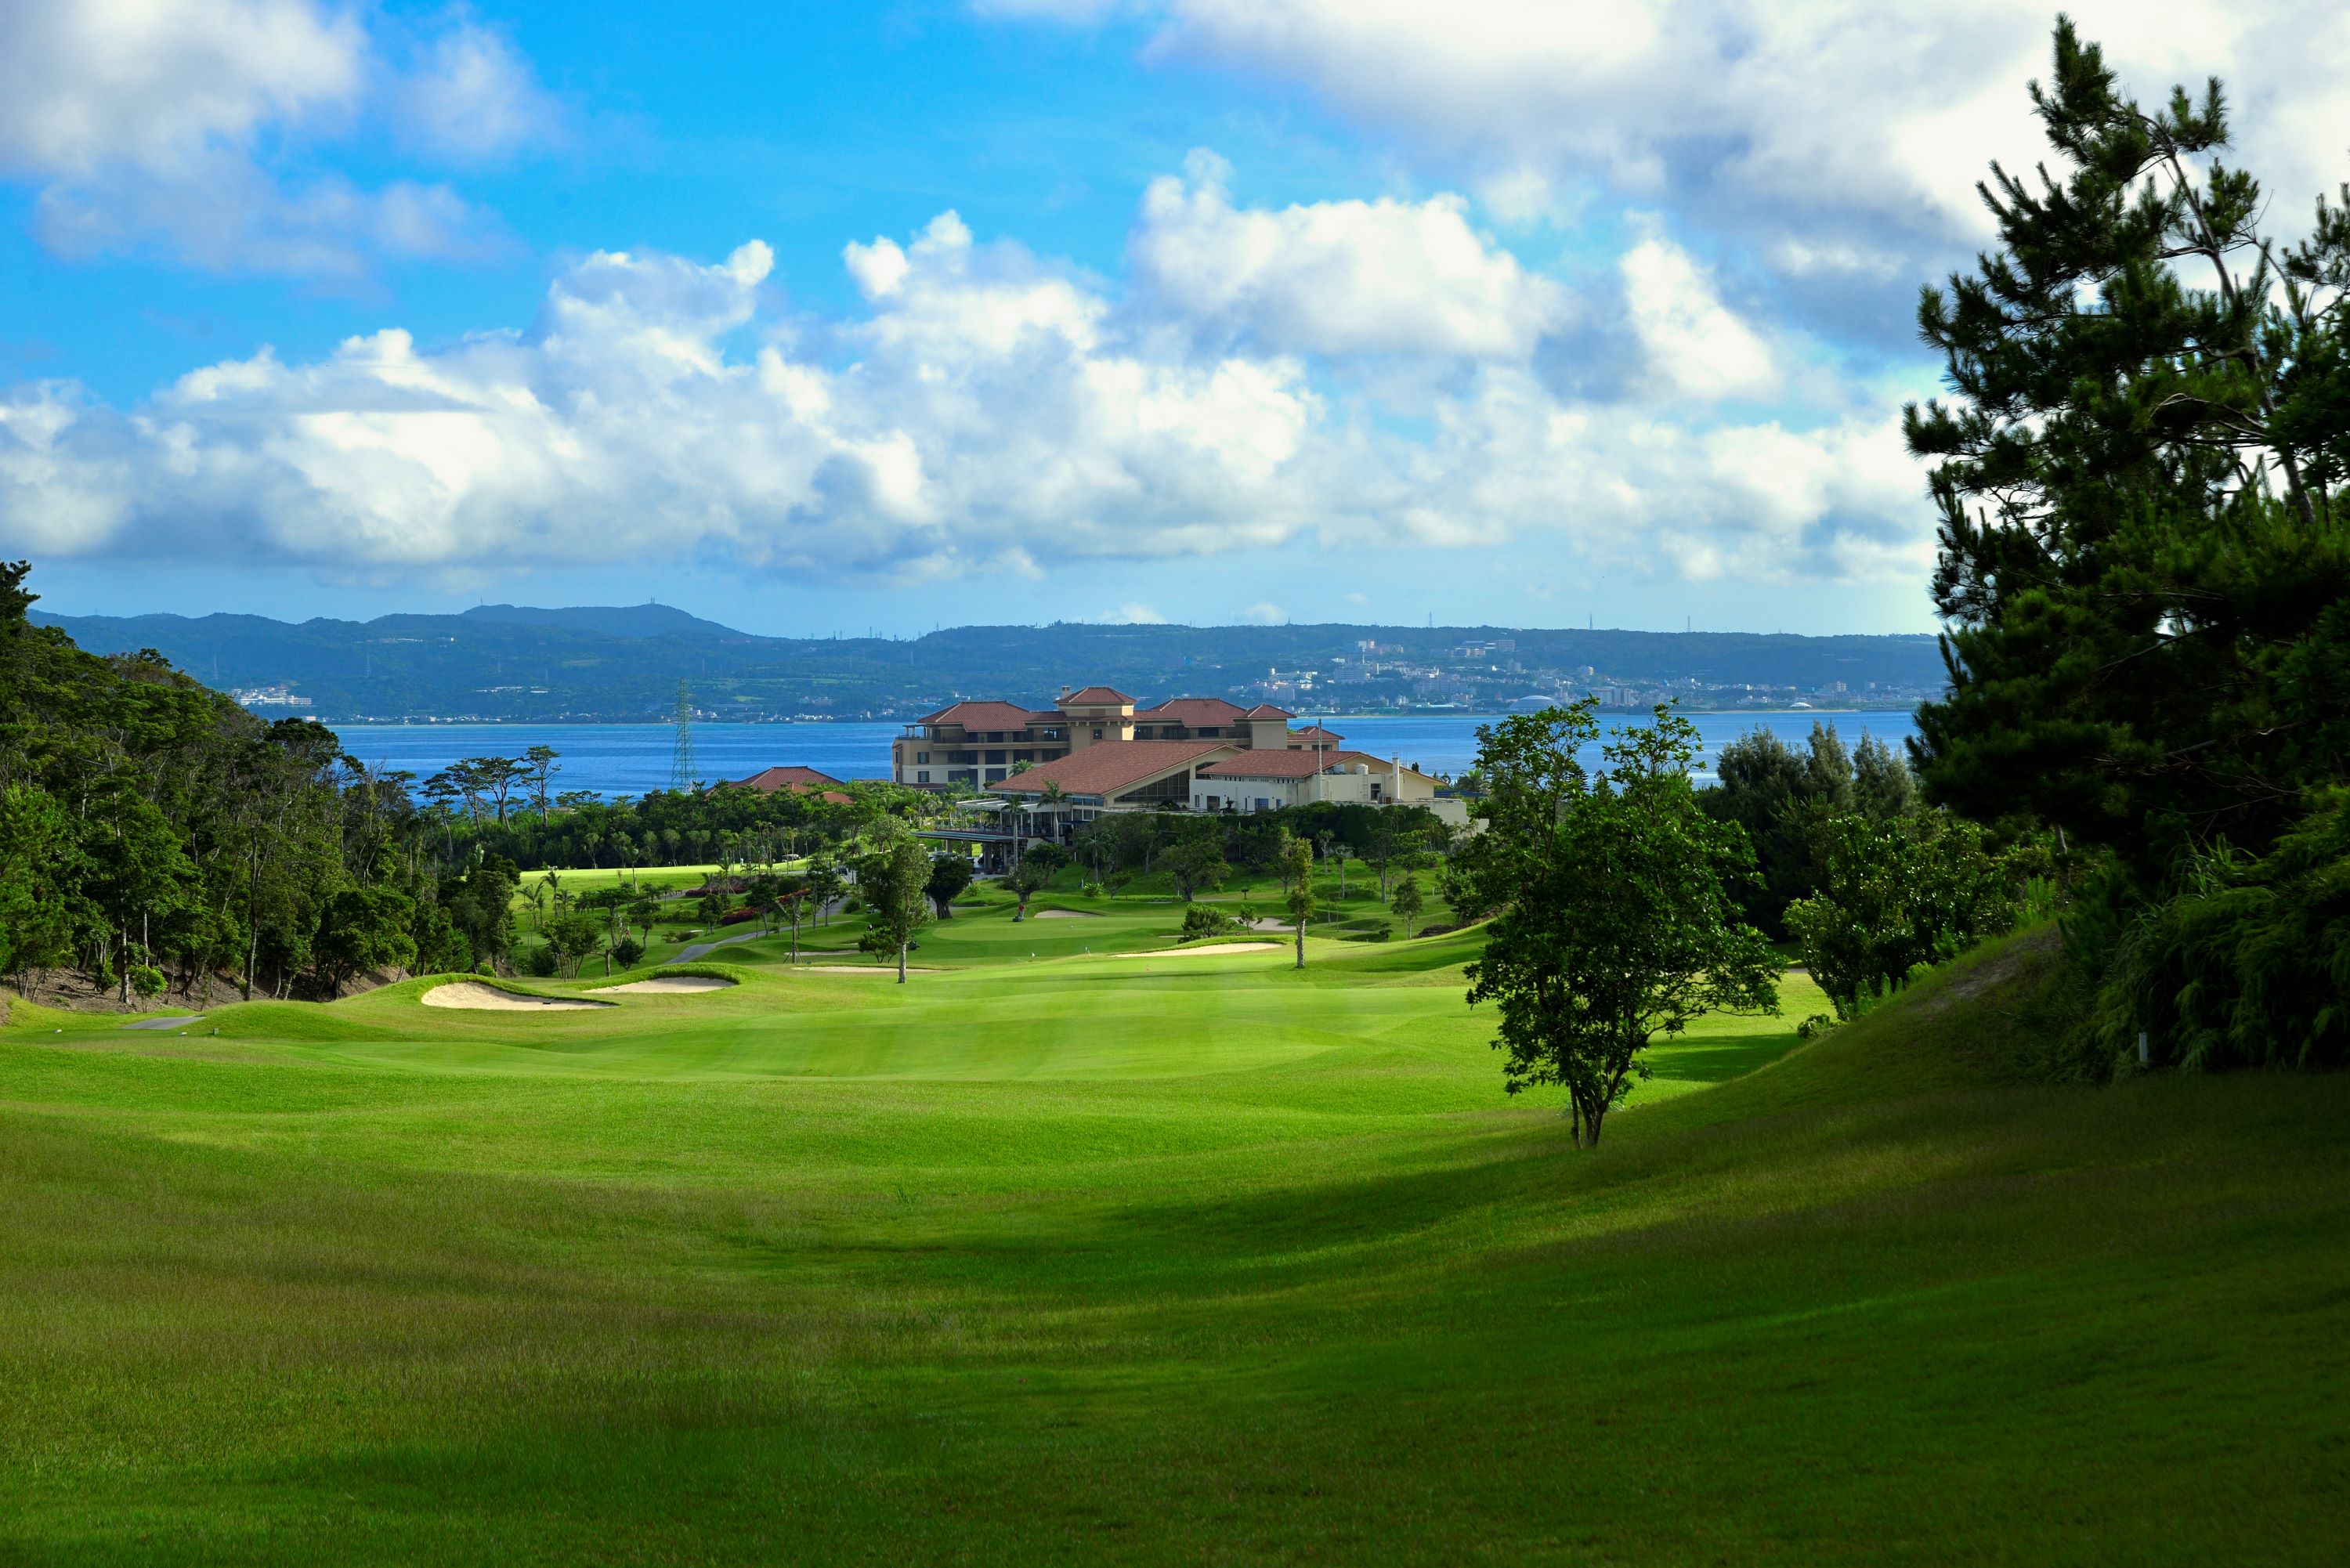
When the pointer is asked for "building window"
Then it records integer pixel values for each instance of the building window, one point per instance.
(1211, 804)
(995, 734)
(964, 757)
(1098, 732)
(922, 756)
(996, 757)
(995, 775)
(1209, 731)
(1023, 756)
(924, 777)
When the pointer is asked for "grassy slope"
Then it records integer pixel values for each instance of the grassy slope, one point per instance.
(1165, 1258)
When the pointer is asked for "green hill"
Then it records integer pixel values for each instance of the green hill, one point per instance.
(1149, 1257)
(502, 661)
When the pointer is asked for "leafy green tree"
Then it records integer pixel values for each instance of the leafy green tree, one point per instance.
(1406, 902)
(891, 875)
(364, 929)
(574, 937)
(40, 876)
(1203, 920)
(1039, 864)
(1531, 776)
(1297, 875)
(1897, 893)
(950, 875)
(1882, 785)
(825, 882)
(1616, 922)
(1778, 794)
(2246, 963)
(1197, 864)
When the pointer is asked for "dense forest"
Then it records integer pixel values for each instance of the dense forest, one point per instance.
(156, 838)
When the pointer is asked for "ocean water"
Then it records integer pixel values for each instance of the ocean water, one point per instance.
(631, 759)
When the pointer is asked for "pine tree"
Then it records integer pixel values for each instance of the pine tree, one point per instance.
(2143, 562)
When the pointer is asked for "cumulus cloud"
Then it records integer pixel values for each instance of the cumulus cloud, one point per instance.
(1820, 121)
(1335, 277)
(155, 122)
(984, 410)
(1694, 345)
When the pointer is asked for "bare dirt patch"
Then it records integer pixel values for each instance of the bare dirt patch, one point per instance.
(671, 984)
(476, 998)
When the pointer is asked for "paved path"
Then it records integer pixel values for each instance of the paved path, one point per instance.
(164, 1023)
(687, 955)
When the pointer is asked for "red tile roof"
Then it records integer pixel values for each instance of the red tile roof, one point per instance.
(1108, 767)
(1267, 711)
(1267, 763)
(988, 716)
(1315, 734)
(1096, 697)
(1192, 711)
(797, 779)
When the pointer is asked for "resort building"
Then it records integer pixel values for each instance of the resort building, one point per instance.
(798, 781)
(1095, 751)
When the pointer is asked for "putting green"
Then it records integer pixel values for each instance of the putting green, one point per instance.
(1069, 1258)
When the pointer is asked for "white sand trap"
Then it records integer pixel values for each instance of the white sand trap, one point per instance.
(889, 968)
(672, 983)
(475, 997)
(1066, 915)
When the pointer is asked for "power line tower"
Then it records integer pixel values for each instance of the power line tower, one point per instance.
(681, 767)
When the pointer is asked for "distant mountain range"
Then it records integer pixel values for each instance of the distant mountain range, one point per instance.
(625, 662)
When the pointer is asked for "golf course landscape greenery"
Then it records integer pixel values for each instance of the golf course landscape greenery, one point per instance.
(1148, 1253)
(464, 1170)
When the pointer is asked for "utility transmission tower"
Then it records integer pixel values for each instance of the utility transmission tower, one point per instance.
(681, 767)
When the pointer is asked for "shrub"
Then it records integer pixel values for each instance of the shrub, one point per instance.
(1201, 921)
(539, 961)
(626, 952)
(146, 980)
(2246, 963)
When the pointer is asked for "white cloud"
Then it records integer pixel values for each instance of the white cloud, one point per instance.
(1136, 613)
(984, 411)
(1335, 277)
(1694, 345)
(1804, 119)
(160, 122)
(472, 97)
(1263, 613)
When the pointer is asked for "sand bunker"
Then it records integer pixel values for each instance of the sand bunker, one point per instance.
(465, 993)
(672, 983)
(1066, 915)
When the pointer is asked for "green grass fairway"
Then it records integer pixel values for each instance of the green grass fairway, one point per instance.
(1129, 1255)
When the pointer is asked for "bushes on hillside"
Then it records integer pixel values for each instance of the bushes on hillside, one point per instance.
(2245, 963)
(1895, 896)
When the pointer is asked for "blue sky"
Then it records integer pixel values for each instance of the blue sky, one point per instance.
(818, 317)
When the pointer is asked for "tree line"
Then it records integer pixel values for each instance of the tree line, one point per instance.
(155, 837)
(2144, 566)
